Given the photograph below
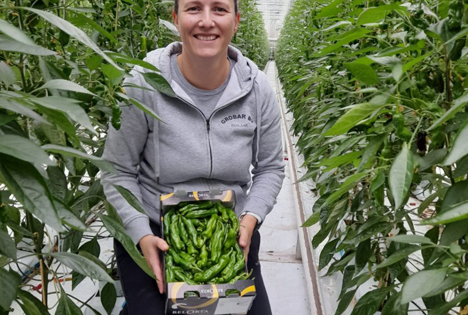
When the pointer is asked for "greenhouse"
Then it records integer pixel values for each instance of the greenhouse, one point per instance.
(355, 115)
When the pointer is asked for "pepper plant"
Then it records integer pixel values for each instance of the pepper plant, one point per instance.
(378, 93)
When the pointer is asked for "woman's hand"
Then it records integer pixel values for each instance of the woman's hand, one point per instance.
(150, 246)
(246, 229)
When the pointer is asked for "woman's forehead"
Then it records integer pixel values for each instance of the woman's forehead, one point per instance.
(213, 2)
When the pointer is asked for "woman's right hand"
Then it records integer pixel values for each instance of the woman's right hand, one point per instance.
(150, 246)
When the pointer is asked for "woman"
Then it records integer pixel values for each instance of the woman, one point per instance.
(221, 118)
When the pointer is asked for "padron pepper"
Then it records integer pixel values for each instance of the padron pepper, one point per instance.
(203, 257)
(167, 223)
(223, 210)
(196, 206)
(181, 276)
(217, 242)
(210, 226)
(174, 234)
(200, 214)
(187, 265)
(213, 271)
(182, 231)
(192, 231)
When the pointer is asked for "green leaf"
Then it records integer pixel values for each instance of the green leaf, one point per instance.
(145, 108)
(114, 75)
(57, 182)
(327, 253)
(91, 247)
(15, 46)
(456, 213)
(419, 284)
(30, 189)
(73, 31)
(82, 265)
(313, 219)
(98, 161)
(462, 168)
(363, 73)
(411, 239)
(445, 308)
(66, 306)
(394, 306)
(401, 176)
(438, 194)
(7, 245)
(133, 61)
(349, 183)
(108, 297)
(31, 305)
(363, 254)
(457, 106)
(23, 149)
(13, 32)
(373, 230)
(9, 283)
(344, 302)
(82, 20)
(67, 106)
(399, 255)
(68, 217)
(459, 148)
(21, 109)
(351, 118)
(158, 82)
(130, 197)
(118, 231)
(375, 142)
(60, 84)
(449, 283)
(369, 303)
(376, 14)
(7, 75)
(330, 10)
(432, 158)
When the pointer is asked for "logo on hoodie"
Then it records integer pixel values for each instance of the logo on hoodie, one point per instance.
(240, 120)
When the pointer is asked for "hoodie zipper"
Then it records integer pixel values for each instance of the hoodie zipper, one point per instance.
(208, 127)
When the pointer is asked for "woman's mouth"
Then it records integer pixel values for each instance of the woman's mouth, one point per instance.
(206, 37)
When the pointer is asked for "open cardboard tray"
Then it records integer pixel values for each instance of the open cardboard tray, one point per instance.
(211, 299)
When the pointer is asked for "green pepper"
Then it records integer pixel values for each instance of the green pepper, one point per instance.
(210, 226)
(242, 276)
(230, 239)
(182, 231)
(174, 234)
(223, 210)
(200, 214)
(167, 223)
(234, 220)
(191, 248)
(170, 276)
(187, 265)
(187, 257)
(191, 231)
(457, 49)
(181, 276)
(217, 242)
(229, 272)
(116, 116)
(203, 257)
(455, 15)
(213, 271)
(196, 206)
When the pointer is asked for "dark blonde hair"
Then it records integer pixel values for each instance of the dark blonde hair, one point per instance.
(176, 7)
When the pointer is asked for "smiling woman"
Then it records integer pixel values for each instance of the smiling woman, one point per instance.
(194, 149)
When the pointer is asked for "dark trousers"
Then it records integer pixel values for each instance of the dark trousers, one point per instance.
(142, 295)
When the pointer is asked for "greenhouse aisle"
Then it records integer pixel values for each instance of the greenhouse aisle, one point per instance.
(281, 265)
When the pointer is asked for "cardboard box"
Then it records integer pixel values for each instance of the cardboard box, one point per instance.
(210, 299)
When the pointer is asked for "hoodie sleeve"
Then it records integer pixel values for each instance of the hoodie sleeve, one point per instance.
(124, 149)
(268, 171)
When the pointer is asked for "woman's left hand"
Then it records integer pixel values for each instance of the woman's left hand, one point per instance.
(246, 229)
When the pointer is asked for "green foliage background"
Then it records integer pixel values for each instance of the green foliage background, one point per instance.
(378, 94)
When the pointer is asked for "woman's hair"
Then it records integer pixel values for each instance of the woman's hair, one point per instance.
(176, 6)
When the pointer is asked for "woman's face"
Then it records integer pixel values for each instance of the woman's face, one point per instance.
(206, 26)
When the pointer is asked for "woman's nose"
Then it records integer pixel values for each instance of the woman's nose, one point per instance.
(206, 19)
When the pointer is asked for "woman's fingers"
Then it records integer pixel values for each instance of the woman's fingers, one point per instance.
(150, 246)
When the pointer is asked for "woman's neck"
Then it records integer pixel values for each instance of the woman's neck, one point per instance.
(204, 74)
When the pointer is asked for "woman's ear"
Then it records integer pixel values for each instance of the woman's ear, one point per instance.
(175, 19)
(236, 25)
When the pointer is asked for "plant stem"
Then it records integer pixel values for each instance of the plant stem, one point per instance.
(448, 75)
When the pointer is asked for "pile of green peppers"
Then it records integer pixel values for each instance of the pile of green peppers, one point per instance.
(203, 249)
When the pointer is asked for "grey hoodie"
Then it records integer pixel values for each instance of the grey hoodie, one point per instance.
(186, 151)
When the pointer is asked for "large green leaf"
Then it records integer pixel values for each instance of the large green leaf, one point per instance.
(60, 84)
(411, 239)
(66, 306)
(459, 148)
(67, 106)
(373, 230)
(22, 109)
(349, 183)
(68, 217)
(339, 160)
(330, 10)
(13, 32)
(23, 149)
(421, 283)
(82, 265)
(130, 197)
(158, 82)
(98, 161)
(344, 302)
(363, 72)
(456, 213)
(369, 303)
(118, 231)
(376, 14)
(363, 254)
(7, 75)
(394, 306)
(82, 20)
(145, 108)
(30, 189)
(313, 219)
(31, 305)
(108, 297)
(445, 308)
(375, 142)
(15, 46)
(9, 283)
(352, 117)
(401, 176)
(399, 255)
(457, 106)
(448, 284)
(73, 31)
(327, 253)
(7, 245)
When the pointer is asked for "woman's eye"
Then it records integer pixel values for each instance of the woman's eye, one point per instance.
(192, 9)
(220, 9)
